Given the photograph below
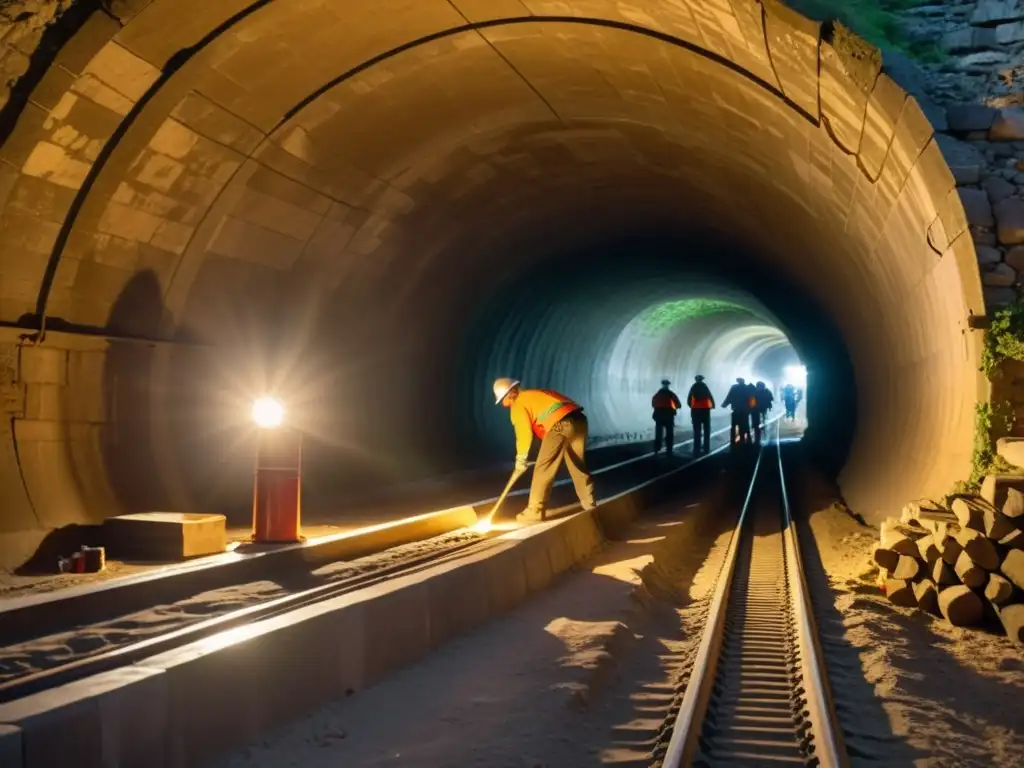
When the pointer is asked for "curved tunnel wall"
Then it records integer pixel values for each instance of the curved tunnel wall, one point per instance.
(333, 206)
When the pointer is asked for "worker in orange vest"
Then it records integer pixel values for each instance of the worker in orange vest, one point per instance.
(741, 400)
(665, 404)
(701, 402)
(560, 424)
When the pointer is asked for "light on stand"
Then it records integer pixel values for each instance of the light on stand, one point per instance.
(277, 487)
(268, 413)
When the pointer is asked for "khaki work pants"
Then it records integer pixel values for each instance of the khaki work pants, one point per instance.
(566, 439)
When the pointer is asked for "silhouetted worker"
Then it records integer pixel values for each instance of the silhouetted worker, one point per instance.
(765, 398)
(789, 399)
(739, 400)
(665, 404)
(700, 401)
(560, 424)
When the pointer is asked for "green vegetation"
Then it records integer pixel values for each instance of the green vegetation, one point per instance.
(984, 461)
(1004, 339)
(874, 20)
(661, 317)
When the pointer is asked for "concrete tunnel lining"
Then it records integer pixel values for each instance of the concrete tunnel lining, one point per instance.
(213, 164)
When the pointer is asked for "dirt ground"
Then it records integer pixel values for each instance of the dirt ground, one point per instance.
(911, 689)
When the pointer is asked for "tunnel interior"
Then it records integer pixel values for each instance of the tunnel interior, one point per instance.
(584, 196)
(623, 313)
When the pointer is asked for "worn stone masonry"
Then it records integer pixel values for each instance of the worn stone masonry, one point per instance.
(975, 97)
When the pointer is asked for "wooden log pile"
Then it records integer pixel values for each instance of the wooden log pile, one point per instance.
(964, 563)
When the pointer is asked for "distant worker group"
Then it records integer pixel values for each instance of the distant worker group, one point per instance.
(750, 404)
(560, 424)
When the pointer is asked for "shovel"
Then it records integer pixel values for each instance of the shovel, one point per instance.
(516, 474)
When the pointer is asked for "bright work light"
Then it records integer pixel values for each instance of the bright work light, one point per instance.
(267, 413)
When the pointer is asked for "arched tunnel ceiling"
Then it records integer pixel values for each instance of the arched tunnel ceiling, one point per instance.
(274, 158)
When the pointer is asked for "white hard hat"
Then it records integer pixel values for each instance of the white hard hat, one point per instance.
(502, 387)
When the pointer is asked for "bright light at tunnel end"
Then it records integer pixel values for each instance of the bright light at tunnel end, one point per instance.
(268, 413)
(796, 375)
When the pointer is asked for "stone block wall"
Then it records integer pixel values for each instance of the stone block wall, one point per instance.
(984, 41)
(975, 97)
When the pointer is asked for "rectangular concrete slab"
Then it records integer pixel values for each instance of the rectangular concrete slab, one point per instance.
(10, 746)
(165, 535)
(115, 718)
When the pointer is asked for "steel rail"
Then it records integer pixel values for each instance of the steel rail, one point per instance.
(825, 743)
(686, 729)
(828, 740)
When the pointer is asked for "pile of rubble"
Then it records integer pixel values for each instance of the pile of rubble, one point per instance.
(965, 563)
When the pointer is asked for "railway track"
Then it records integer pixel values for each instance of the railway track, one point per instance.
(758, 691)
(59, 669)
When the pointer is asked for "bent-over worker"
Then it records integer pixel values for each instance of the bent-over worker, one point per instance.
(665, 404)
(560, 424)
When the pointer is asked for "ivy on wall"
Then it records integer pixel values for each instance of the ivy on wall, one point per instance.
(663, 316)
(1004, 340)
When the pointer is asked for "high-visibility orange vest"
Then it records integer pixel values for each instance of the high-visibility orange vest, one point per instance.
(700, 404)
(663, 399)
(544, 408)
(752, 402)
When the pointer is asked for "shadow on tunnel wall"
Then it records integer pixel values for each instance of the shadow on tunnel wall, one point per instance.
(129, 387)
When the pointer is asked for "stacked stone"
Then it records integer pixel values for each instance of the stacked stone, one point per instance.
(975, 101)
(985, 43)
(984, 147)
(964, 563)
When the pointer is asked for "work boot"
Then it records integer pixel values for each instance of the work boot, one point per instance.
(530, 515)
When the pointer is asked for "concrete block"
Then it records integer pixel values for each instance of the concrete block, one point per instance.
(313, 656)
(506, 580)
(54, 83)
(43, 365)
(881, 115)
(95, 33)
(212, 698)
(584, 536)
(212, 121)
(537, 563)
(122, 70)
(115, 718)
(10, 746)
(44, 402)
(458, 600)
(165, 535)
(792, 41)
(849, 68)
(557, 542)
(396, 627)
(53, 163)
